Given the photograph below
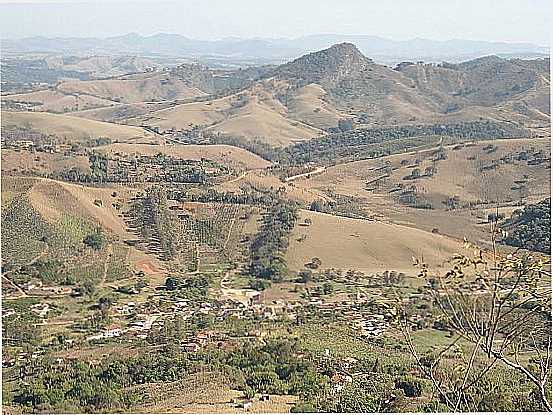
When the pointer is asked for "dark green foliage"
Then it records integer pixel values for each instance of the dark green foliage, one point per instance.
(495, 217)
(195, 286)
(95, 240)
(270, 244)
(21, 330)
(532, 228)
(376, 142)
(411, 385)
(259, 284)
(274, 368)
(375, 394)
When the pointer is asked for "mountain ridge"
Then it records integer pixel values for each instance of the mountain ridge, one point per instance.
(267, 50)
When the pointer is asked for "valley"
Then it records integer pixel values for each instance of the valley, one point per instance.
(272, 239)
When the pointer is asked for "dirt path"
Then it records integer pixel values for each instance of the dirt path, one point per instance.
(17, 288)
(318, 170)
(237, 179)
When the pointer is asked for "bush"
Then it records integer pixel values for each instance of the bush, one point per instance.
(411, 385)
(303, 407)
(95, 240)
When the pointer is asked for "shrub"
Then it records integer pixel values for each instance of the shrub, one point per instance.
(95, 240)
(411, 385)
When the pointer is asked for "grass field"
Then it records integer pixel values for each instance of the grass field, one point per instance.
(226, 155)
(368, 246)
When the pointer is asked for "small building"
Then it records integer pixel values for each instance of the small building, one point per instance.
(191, 347)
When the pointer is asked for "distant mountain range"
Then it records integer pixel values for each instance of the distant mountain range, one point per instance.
(237, 51)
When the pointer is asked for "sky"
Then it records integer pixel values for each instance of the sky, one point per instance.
(491, 20)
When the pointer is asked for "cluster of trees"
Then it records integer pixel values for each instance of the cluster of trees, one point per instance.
(531, 228)
(95, 240)
(275, 368)
(247, 197)
(345, 206)
(195, 286)
(369, 142)
(158, 168)
(77, 386)
(269, 246)
(256, 146)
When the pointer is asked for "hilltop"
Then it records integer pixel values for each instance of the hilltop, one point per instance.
(339, 89)
(333, 90)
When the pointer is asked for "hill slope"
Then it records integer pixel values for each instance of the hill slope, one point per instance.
(315, 92)
(366, 246)
(72, 128)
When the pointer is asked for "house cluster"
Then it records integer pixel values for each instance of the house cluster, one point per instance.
(138, 328)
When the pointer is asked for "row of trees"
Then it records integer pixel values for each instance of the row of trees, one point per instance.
(269, 246)
(156, 222)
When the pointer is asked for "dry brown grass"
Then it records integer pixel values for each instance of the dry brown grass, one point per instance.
(254, 113)
(74, 128)
(56, 101)
(367, 246)
(204, 393)
(152, 88)
(41, 163)
(458, 175)
(227, 155)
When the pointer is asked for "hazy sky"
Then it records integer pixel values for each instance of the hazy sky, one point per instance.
(500, 20)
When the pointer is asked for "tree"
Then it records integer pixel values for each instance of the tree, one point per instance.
(88, 288)
(411, 385)
(105, 303)
(316, 206)
(171, 283)
(415, 173)
(502, 312)
(95, 240)
(345, 124)
(327, 288)
(259, 284)
(305, 276)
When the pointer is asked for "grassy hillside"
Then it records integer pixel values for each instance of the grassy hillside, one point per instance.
(51, 100)
(363, 245)
(151, 88)
(227, 155)
(73, 129)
